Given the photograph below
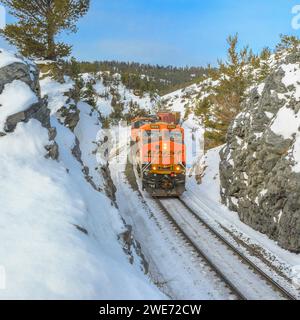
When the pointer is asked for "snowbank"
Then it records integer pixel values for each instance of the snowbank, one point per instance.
(44, 252)
(7, 58)
(59, 235)
(16, 97)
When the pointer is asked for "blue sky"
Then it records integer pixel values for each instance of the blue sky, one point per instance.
(177, 32)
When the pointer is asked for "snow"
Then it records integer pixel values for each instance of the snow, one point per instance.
(104, 94)
(7, 58)
(44, 255)
(239, 141)
(296, 276)
(292, 76)
(205, 198)
(270, 115)
(263, 192)
(286, 123)
(16, 97)
(296, 154)
(260, 88)
(188, 278)
(258, 135)
(55, 92)
(194, 141)
(179, 100)
(60, 234)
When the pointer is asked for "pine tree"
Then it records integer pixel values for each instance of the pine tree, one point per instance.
(234, 77)
(76, 91)
(289, 43)
(74, 70)
(90, 95)
(38, 24)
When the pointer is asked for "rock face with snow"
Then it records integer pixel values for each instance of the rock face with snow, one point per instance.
(260, 164)
(20, 98)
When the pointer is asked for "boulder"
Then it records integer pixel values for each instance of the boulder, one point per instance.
(17, 68)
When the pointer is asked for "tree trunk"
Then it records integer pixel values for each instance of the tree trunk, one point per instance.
(51, 47)
(51, 52)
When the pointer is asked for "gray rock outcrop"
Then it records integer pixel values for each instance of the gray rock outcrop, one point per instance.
(28, 73)
(257, 173)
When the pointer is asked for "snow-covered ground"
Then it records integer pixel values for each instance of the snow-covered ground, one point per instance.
(44, 252)
(172, 266)
(106, 91)
(12, 103)
(59, 235)
(205, 199)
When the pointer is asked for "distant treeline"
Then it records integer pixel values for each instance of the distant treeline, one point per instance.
(144, 77)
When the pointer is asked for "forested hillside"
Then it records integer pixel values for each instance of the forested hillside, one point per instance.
(142, 77)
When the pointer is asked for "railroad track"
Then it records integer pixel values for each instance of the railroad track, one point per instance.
(201, 253)
(241, 275)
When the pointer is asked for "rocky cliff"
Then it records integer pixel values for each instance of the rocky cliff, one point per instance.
(260, 164)
(20, 98)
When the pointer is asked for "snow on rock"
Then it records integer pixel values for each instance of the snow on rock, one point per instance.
(16, 97)
(185, 100)
(292, 77)
(296, 154)
(286, 123)
(7, 58)
(56, 93)
(260, 88)
(269, 128)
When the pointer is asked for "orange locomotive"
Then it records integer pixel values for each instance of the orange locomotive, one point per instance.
(161, 159)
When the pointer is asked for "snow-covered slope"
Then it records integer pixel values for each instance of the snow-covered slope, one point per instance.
(186, 99)
(59, 234)
(109, 87)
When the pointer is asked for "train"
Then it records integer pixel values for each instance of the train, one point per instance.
(160, 154)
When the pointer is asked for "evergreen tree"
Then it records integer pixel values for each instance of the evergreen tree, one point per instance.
(264, 64)
(290, 43)
(90, 94)
(234, 77)
(76, 92)
(39, 22)
(74, 68)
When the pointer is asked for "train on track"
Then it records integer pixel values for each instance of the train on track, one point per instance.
(159, 153)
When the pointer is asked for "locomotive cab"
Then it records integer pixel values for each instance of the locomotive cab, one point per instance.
(162, 159)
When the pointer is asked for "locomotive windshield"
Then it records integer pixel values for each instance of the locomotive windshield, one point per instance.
(176, 136)
(150, 136)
